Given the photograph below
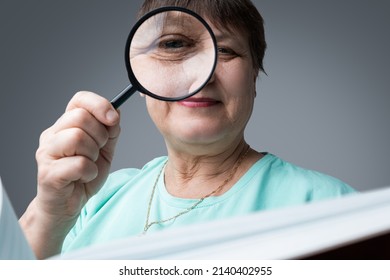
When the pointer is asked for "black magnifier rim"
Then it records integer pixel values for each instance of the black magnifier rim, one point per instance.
(130, 72)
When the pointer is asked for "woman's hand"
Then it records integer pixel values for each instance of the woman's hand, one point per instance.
(74, 158)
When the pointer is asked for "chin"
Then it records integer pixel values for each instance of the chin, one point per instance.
(202, 134)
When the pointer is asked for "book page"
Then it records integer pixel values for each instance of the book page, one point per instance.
(291, 233)
(13, 243)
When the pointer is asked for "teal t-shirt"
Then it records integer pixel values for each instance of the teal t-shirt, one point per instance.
(120, 208)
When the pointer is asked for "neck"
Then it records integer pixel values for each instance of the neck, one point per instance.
(195, 176)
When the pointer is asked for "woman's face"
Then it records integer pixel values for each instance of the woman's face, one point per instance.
(221, 110)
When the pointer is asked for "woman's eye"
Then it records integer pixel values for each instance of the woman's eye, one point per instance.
(226, 52)
(173, 44)
(174, 48)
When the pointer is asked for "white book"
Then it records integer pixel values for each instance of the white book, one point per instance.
(13, 244)
(290, 233)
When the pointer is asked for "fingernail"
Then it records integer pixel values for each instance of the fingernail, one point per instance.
(111, 115)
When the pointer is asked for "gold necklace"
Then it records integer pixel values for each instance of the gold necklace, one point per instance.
(148, 225)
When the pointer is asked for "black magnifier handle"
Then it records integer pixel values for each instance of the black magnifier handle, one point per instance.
(123, 96)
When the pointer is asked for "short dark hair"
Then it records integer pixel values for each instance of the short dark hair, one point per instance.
(237, 15)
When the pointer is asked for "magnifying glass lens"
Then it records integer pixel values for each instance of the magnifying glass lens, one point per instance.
(172, 55)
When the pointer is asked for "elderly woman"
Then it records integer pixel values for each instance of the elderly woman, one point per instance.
(210, 171)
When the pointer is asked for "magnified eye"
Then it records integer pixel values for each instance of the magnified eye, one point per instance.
(174, 47)
(172, 44)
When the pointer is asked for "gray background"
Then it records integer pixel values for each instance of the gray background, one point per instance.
(324, 104)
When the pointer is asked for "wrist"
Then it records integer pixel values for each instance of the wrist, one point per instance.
(44, 232)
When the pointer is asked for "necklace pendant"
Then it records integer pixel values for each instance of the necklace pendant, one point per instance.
(146, 228)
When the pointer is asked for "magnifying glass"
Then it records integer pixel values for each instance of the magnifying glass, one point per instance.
(171, 54)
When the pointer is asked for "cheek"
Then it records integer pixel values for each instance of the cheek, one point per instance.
(238, 76)
(240, 105)
(158, 110)
(240, 87)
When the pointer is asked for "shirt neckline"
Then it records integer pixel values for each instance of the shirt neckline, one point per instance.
(184, 203)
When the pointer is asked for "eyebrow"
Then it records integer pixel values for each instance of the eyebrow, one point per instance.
(223, 36)
(230, 37)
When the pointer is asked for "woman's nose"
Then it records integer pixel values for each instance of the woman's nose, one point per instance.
(215, 73)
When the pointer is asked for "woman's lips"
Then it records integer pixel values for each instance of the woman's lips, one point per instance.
(199, 102)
